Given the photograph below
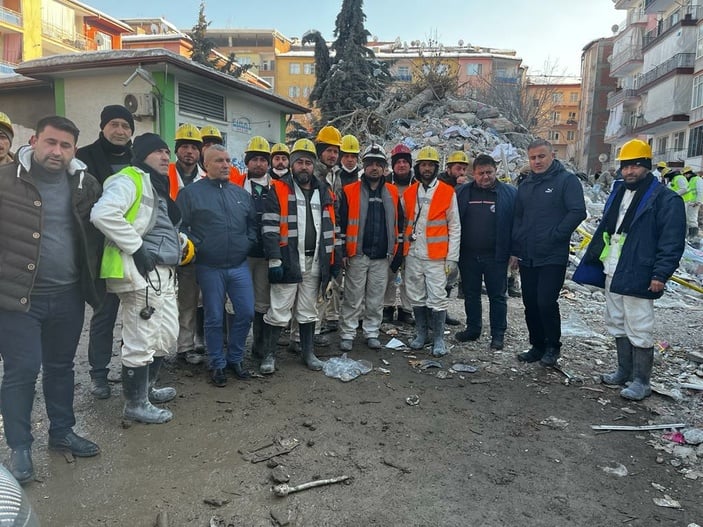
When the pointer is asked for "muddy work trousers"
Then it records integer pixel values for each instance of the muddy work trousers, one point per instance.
(188, 299)
(364, 288)
(629, 316)
(298, 301)
(426, 283)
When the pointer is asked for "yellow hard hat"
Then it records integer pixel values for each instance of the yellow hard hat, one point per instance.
(6, 125)
(635, 149)
(188, 132)
(350, 145)
(280, 148)
(661, 164)
(212, 133)
(304, 145)
(427, 153)
(687, 170)
(665, 171)
(187, 249)
(458, 157)
(258, 144)
(330, 136)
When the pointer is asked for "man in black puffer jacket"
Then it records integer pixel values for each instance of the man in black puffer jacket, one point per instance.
(548, 208)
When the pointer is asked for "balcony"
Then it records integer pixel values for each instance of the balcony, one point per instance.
(624, 4)
(686, 16)
(498, 79)
(680, 61)
(10, 17)
(696, 116)
(622, 63)
(657, 6)
(627, 95)
(67, 38)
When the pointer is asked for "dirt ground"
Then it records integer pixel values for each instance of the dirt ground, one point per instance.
(485, 448)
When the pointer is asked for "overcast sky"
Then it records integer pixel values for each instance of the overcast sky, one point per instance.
(541, 31)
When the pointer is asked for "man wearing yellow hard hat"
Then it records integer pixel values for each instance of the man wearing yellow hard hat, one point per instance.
(457, 169)
(634, 251)
(7, 134)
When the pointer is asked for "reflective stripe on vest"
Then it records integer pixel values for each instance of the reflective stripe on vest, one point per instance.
(679, 183)
(437, 228)
(111, 264)
(353, 195)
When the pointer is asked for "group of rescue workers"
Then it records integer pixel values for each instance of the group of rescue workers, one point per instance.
(197, 254)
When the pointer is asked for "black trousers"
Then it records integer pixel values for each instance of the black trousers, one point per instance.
(540, 296)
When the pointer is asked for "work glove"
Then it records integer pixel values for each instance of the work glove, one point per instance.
(396, 262)
(144, 260)
(452, 270)
(276, 274)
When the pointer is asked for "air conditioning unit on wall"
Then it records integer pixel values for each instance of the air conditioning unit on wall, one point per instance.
(139, 104)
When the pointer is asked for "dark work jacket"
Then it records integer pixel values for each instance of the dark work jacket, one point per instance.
(652, 248)
(219, 217)
(97, 162)
(548, 208)
(505, 206)
(21, 226)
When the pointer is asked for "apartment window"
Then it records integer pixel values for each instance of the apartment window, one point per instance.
(679, 140)
(293, 91)
(695, 142)
(473, 69)
(267, 65)
(662, 144)
(103, 41)
(574, 97)
(244, 61)
(572, 116)
(294, 68)
(553, 136)
(306, 91)
(570, 135)
(697, 96)
(309, 69)
(699, 45)
(403, 73)
(556, 116)
(557, 97)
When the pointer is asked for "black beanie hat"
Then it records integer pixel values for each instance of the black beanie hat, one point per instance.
(248, 156)
(641, 161)
(116, 111)
(145, 144)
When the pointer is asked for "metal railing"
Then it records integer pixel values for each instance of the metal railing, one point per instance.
(67, 37)
(689, 13)
(680, 60)
(630, 53)
(616, 97)
(11, 17)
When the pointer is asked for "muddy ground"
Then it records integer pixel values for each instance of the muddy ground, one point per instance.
(478, 449)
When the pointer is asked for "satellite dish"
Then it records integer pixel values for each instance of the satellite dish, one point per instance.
(614, 28)
(603, 158)
(461, 42)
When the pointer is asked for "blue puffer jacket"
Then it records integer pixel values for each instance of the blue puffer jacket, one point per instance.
(548, 209)
(652, 248)
(220, 219)
(505, 206)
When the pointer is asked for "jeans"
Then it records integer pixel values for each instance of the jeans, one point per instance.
(540, 296)
(236, 283)
(102, 327)
(474, 271)
(45, 337)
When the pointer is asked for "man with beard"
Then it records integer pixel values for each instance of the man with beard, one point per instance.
(431, 246)
(7, 134)
(457, 167)
(280, 159)
(108, 155)
(634, 251)
(220, 218)
(548, 208)
(186, 169)
(142, 249)
(299, 242)
(349, 160)
(400, 177)
(370, 221)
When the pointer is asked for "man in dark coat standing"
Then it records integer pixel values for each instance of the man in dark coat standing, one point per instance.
(548, 209)
(634, 251)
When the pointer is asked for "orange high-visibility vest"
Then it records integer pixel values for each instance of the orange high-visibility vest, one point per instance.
(282, 191)
(353, 195)
(173, 180)
(236, 177)
(437, 231)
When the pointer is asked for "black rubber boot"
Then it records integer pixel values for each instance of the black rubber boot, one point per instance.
(388, 313)
(451, 321)
(100, 388)
(270, 341)
(257, 345)
(421, 322)
(533, 355)
(551, 354)
(307, 332)
(135, 389)
(158, 395)
(639, 388)
(623, 373)
(405, 317)
(438, 321)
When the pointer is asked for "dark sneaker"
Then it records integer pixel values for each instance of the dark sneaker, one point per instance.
(533, 355)
(550, 357)
(497, 343)
(239, 371)
(100, 388)
(467, 335)
(21, 465)
(218, 377)
(75, 444)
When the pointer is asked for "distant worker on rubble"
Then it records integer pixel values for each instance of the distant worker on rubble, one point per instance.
(634, 251)
(692, 199)
(548, 208)
(657, 172)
